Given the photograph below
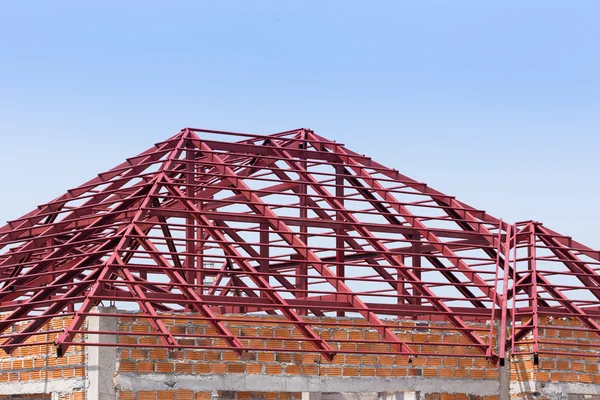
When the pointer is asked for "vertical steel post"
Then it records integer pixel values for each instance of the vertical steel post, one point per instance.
(190, 229)
(339, 239)
(534, 289)
(264, 253)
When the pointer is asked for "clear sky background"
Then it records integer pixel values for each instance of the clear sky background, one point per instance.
(494, 102)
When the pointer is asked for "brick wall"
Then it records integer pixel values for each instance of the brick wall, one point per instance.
(33, 361)
(362, 355)
(452, 362)
(449, 359)
(36, 361)
(574, 362)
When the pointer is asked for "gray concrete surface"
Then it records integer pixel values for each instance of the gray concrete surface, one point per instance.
(313, 384)
(102, 361)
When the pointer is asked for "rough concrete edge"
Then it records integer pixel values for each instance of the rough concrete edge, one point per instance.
(261, 383)
(101, 361)
(47, 386)
(554, 388)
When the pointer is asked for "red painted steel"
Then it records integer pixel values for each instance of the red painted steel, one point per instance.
(296, 227)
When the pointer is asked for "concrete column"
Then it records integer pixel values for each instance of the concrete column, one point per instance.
(504, 380)
(102, 361)
(503, 370)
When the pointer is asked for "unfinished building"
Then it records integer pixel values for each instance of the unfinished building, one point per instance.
(240, 266)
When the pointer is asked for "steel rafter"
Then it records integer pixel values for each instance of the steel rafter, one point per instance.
(294, 226)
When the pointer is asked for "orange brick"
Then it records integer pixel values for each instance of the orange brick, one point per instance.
(183, 368)
(283, 357)
(165, 367)
(146, 395)
(293, 370)
(366, 372)
(280, 332)
(55, 374)
(127, 366)
(184, 394)
(140, 328)
(434, 362)
(266, 357)
(562, 365)
(146, 366)
(194, 356)
(490, 373)
(218, 368)
(310, 370)
(148, 340)
(430, 372)
(212, 356)
(127, 340)
(465, 362)
(349, 371)
(236, 368)
(370, 360)
(446, 373)
(547, 364)
(571, 377)
(158, 354)
(127, 396)
(176, 329)
(165, 395)
(201, 368)
(383, 372)
(477, 374)
(273, 369)
(254, 368)
(229, 356)
(78, 396)
(461, 373)
(352, 359)
(577, 366)
(242, 395)
(542, 376)
(138, 354)
(591, 368)
(433, 338)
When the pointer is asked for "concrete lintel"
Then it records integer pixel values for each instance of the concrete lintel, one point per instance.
(46, 386)
(102, 360)
(360, 396)
(555, 389)
(313, 384)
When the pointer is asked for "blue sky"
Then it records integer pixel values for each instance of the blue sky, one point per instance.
(495, 102)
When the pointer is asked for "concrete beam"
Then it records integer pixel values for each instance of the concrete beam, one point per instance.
(39, 387)
(303, 383)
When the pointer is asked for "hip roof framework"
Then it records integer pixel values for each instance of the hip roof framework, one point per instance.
(291, 225)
